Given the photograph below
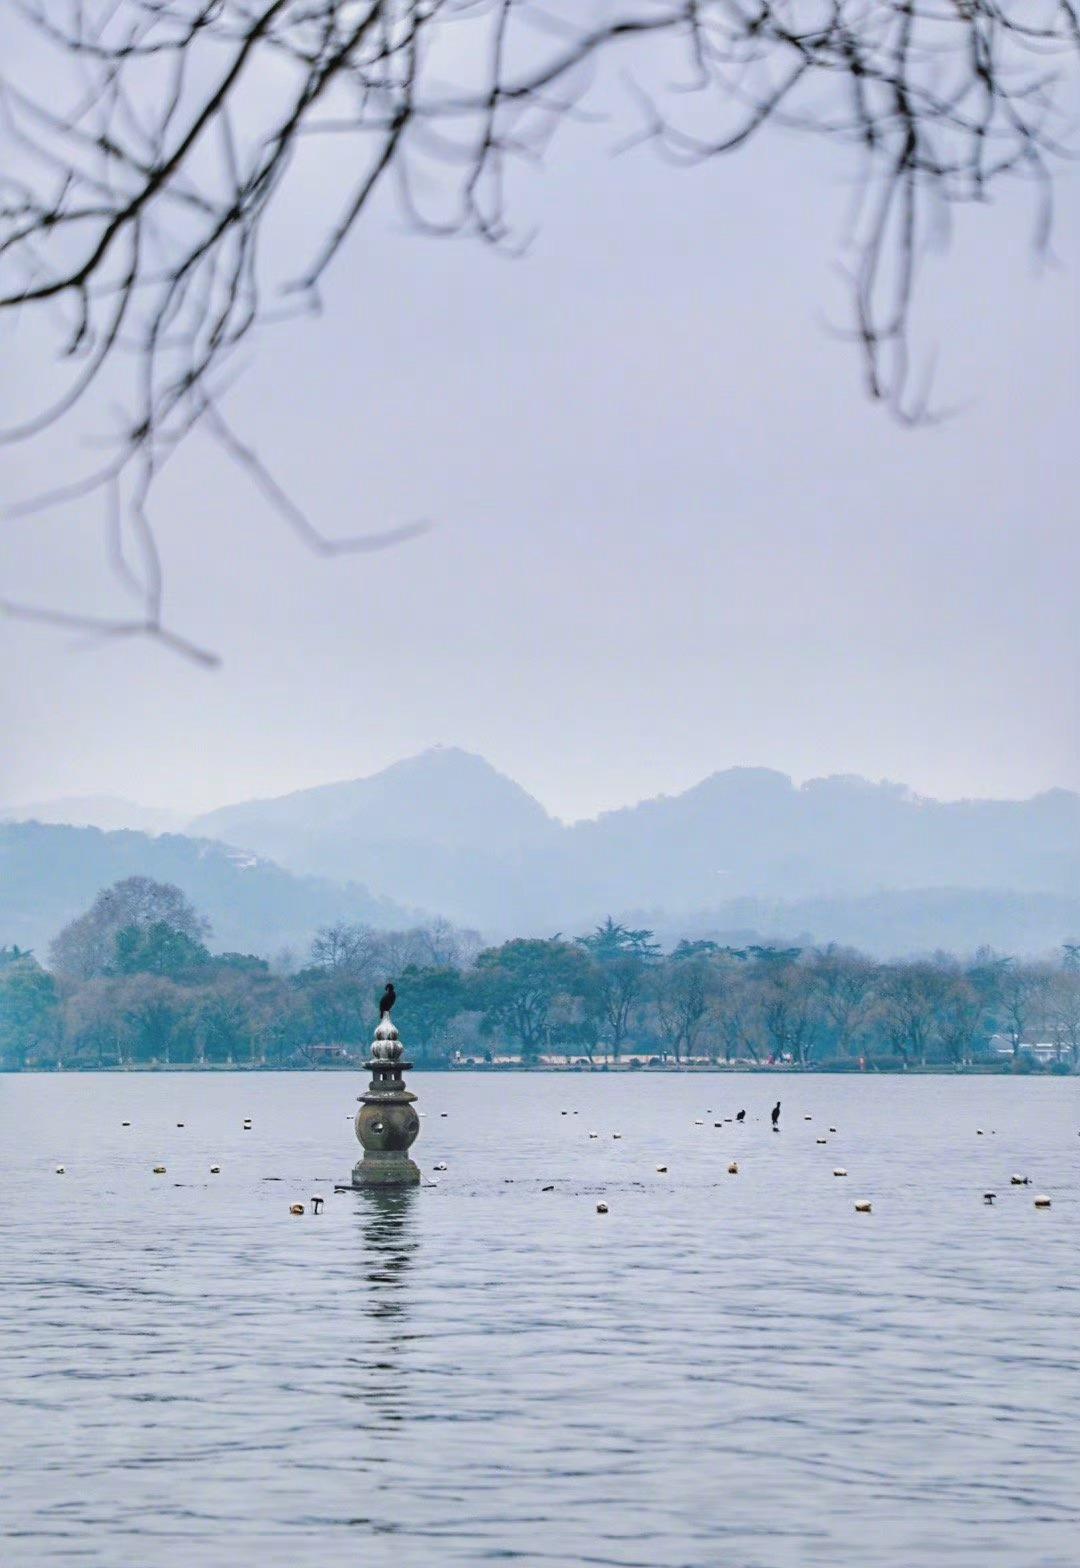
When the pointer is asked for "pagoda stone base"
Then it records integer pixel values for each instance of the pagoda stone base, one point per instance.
(389, 1168)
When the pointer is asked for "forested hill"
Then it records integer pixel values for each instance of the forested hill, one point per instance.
(49, 874)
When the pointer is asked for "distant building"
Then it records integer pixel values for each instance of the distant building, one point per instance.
(330, 1053)
(1042, 1050)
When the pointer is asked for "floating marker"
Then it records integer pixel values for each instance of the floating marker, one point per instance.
(296, 1208)
(159, 1170)
(215, 1170)
(988, 1197)
(616, 1135)
(61, 1170)
(594, 1135)
(733, 1168)
(1042, 1201)
(317, 1201)
(699, 1122)
(1019, 1181)
(808, 1118)
(601, 1208)
(978, 1132)
(661, 1170)
(550, 1188)
(832, 1129)
(863, 1206)
(440, 1167)
(821, 1140)
(125, 1124)
(839, 1171)
(179, 1124)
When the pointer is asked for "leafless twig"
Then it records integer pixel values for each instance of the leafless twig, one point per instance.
(135, 188)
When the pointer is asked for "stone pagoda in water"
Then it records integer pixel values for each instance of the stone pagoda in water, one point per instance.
(386, 1123)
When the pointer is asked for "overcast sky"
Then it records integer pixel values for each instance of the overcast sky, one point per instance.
(670, 533)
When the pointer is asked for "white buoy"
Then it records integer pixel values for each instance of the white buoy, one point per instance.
(821, 1140)
(1019, 1181)
(61, 1170)
(440, 1167)
(733, 1168)
(808, 1118)
(863, 1206)
(215, 1170)
(296, 1208)
(839, 1171)
(159, 1170)
(601, 1208)
(594, 1135)
(661, 1170)
(1042, 1201)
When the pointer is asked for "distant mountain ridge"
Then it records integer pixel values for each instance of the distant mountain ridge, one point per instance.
(111, 813)
(445, 831)
(49, 874)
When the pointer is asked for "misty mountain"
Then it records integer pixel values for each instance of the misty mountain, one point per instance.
(885, 925)
(445, 822)
(109, 812)
(50, 874)
(447, 832)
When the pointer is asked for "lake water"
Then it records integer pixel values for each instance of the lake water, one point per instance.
(722, 1370)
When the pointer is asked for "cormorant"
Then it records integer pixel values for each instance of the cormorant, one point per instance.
(776, 1117)
(387, 1000)
(740, 1116)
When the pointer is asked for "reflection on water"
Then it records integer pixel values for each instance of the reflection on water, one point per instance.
(723, 1369)
(384, 1220)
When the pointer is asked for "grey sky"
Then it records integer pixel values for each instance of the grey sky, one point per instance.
(671, 535)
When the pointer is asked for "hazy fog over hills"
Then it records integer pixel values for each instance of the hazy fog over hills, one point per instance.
(49, 874)
(109, 812)
(445, 831)
(745, 855)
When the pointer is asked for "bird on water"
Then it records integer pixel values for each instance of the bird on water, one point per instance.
(776, 1117)
(740, 1116)
(387, 1000)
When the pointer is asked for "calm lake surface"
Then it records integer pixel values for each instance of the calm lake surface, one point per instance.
(723, 1370)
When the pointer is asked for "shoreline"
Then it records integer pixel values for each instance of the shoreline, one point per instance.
(719, 1069)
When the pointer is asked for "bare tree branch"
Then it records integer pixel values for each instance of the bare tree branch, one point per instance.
(136, 187)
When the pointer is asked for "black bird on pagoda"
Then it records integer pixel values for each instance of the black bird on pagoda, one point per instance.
(387, 1000)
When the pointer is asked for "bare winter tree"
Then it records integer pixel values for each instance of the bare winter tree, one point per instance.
(139, 180)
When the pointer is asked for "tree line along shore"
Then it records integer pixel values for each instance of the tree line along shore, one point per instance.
(132, 984)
